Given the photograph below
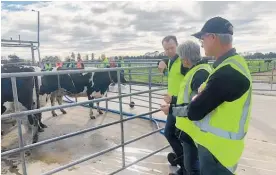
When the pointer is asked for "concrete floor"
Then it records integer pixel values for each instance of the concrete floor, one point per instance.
(259, 157)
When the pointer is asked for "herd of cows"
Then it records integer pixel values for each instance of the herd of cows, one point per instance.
(34, 92)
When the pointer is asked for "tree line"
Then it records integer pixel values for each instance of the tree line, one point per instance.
(14, 58)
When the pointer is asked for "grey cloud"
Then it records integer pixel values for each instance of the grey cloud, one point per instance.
(134, 48)
(79, 36)
(99, 10)
(155, 21)
(214, 8)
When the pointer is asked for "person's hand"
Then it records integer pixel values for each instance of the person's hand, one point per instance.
(167, 98)
(165, 109)
(161, 66)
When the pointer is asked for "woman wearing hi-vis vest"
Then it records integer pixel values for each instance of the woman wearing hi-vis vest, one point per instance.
(219, 115)
(189, 53)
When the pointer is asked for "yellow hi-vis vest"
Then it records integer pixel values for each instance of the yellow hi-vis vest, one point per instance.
(174, 77)
(105, 63)
(48, 66)
(185, 96)
(223, 130)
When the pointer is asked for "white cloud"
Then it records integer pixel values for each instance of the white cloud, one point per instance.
(132, 28)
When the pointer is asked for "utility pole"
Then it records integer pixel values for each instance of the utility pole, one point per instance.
(38, 34)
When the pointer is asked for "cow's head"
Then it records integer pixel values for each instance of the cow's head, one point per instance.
(114, 77)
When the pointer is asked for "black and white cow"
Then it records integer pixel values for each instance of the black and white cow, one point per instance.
(28, 97)
(92, 85)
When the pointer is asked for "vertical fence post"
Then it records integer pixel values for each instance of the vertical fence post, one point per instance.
(272, 76)
(150, 83)
(16, 107)
(130, 79)
(106, 102)
(121, 116)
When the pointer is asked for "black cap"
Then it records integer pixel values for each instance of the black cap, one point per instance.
(215, 25)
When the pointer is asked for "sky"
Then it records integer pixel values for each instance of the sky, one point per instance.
(131, 28)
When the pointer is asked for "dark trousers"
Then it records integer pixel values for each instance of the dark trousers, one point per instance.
(190, 154)
(209, 165)
(170, 134)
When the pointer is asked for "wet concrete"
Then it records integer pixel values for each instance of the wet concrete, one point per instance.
(259, 156)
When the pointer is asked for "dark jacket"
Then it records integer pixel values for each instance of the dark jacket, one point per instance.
(225, 85)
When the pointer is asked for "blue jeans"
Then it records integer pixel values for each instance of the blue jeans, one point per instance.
(190, 154)
(170, 134)
(209, 165)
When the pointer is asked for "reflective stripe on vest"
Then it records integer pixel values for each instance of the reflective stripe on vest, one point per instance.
(187, 95)
(205, 126)
(210, 128)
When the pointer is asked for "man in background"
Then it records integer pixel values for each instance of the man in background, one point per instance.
(105, 61)
(176, 73)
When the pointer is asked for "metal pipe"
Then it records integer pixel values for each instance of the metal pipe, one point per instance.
(20, 137)
(139, 160)
(39, 58)
(6, 153)
(98, 154)
(17, 41)
(130, 78)
(128, 104)
(150, 100)
(145, 100)
(38, 28)
(32, 51)
(272, 75)
(28, 74)
(44, 109)
(148, 96)
(121, 117)
(106, 103)
(153, 74)
(137, 95)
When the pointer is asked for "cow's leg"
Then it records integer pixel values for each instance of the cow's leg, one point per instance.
(40, 124)
(91, 113)
(98, 108)
(31, 135)
(91, 108)
(52, 98)
(59, 100)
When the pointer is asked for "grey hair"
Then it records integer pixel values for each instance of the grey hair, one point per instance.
(225, 38)
(189, 50)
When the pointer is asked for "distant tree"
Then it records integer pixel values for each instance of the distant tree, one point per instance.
(67, 58)
(52, 59)
(73, 56)
(92, 56)
(79, 56)
(14, 59)
(86, 57)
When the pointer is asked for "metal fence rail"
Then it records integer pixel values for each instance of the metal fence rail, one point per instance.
(18, 114)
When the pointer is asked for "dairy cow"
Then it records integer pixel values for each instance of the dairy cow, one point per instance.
(28, 97)
(92, 85)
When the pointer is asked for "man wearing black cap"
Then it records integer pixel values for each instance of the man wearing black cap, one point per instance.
(221, 110)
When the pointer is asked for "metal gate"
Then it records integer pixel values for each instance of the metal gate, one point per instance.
(18, 114)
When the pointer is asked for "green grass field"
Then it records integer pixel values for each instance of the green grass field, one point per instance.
(255, 66)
